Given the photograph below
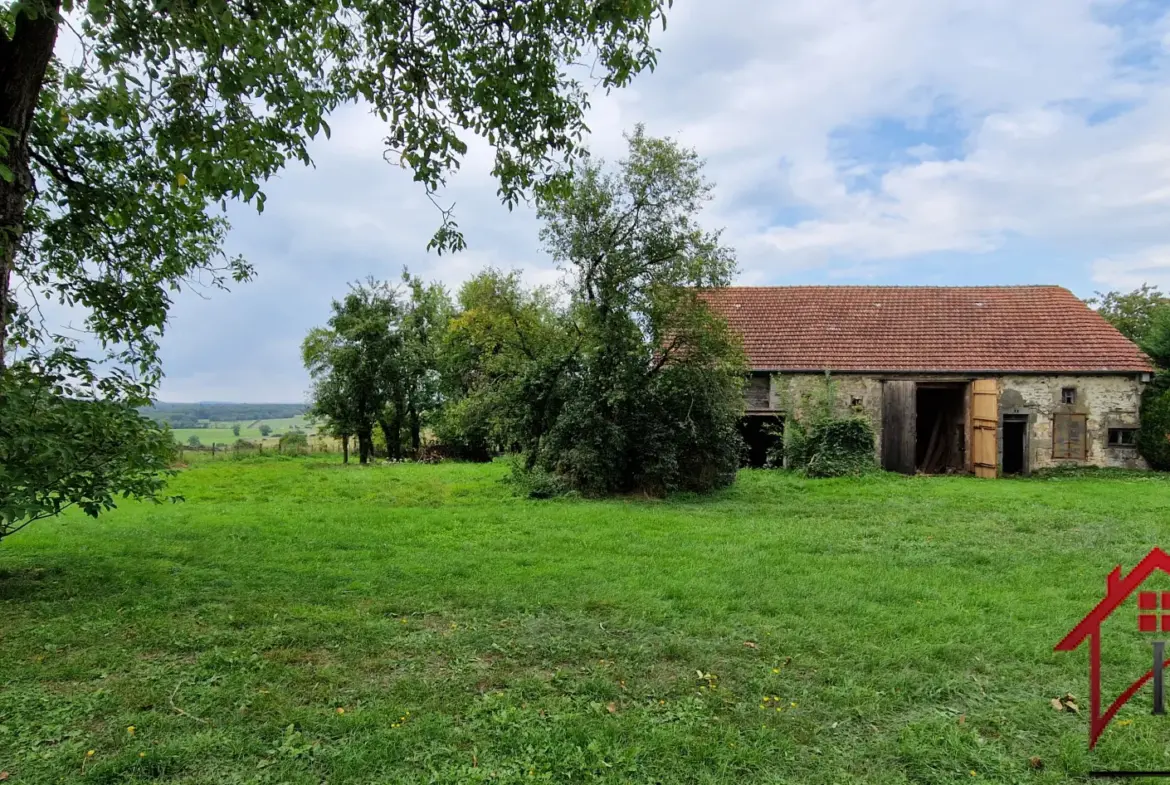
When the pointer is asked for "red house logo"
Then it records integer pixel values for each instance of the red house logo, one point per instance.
(1153, 616)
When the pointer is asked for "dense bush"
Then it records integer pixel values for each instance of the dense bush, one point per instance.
(826, 442)
(1153, 439)
(294, 442)
(830, 447)
(461, 428)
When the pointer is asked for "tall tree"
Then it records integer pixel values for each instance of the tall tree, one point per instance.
(352, 361)
(113, 162)
(657, 400)
(428, 310)
(627, 380)
(505, 365)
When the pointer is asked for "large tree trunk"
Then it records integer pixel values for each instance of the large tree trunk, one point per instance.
(390, 431)
(345, 448)
(415, 429)
(365, 445)
(23, 60)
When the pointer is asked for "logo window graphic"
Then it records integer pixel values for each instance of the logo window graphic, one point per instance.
(1153, 616)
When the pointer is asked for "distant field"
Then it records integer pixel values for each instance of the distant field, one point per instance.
(222, 432)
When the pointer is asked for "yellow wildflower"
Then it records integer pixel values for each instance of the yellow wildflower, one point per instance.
(131, 730)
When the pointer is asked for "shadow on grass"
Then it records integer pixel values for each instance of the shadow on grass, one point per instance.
(53, 580)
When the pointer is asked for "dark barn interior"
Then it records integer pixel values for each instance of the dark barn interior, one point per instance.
(941, 427)
(760, 434)
(1015, 435)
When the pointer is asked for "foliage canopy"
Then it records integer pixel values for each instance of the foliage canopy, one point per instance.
(116, 164)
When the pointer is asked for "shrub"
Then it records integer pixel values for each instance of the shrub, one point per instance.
(536, 483)
(194, 441)
(294, 442)
(827, 444)
(461, 429)
(1153, 439)
(838, 447)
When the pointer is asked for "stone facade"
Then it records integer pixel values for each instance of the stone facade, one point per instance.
(1105, 401)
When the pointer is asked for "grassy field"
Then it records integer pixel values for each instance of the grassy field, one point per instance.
(299, 621)
(221, 432)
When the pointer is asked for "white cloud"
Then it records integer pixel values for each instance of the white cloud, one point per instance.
(1128, 272)
(1056, 138)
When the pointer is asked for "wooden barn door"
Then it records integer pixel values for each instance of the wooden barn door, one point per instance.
(984, 426)
(899, 426)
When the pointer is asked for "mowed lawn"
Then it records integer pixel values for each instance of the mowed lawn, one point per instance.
(298, 621)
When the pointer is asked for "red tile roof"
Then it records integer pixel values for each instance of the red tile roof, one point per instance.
(1031, 329)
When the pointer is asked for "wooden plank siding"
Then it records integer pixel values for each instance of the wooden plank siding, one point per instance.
(899, 411)
(985, 427)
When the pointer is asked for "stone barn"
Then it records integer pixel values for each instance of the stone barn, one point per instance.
(985, 380)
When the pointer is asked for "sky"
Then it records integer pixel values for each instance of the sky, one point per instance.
(909, 142)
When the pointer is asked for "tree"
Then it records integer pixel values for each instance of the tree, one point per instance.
(1132, 313)
(265, 429)
(1153, 438)
(504, 366)
(354, 357)
(1156, 341)
(236, 430)
(194, 442)
(124, 454)
(427, 312)
(657, 401)
(113, 165)
(628, 381)
(332, 405)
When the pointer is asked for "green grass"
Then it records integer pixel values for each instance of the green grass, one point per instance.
(221, 432)
(904, 627)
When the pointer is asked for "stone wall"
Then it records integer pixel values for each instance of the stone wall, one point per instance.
(798, 393)
(1106, 401)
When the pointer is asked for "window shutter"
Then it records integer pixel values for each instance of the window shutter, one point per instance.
(1068, 437)
(757, 393)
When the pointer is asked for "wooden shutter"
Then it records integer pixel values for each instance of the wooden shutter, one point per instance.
(985, 426)
(1069, 439)
(756, 393)
(898, 426)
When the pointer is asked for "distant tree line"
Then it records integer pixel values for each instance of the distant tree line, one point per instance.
(618, 379)
(1143, 316)
(196, 415)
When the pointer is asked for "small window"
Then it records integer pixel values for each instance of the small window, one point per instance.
(1068, 395)
(1123, 437)
(855, 402)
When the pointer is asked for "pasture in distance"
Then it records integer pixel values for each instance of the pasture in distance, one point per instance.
(298, 621)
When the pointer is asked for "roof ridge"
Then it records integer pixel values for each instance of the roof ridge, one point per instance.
(891, 286)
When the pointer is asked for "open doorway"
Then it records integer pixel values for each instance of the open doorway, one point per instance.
(761, 433)
(1015, 444)
(941, 428)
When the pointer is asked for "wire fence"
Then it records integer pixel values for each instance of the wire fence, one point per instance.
(317, 445)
